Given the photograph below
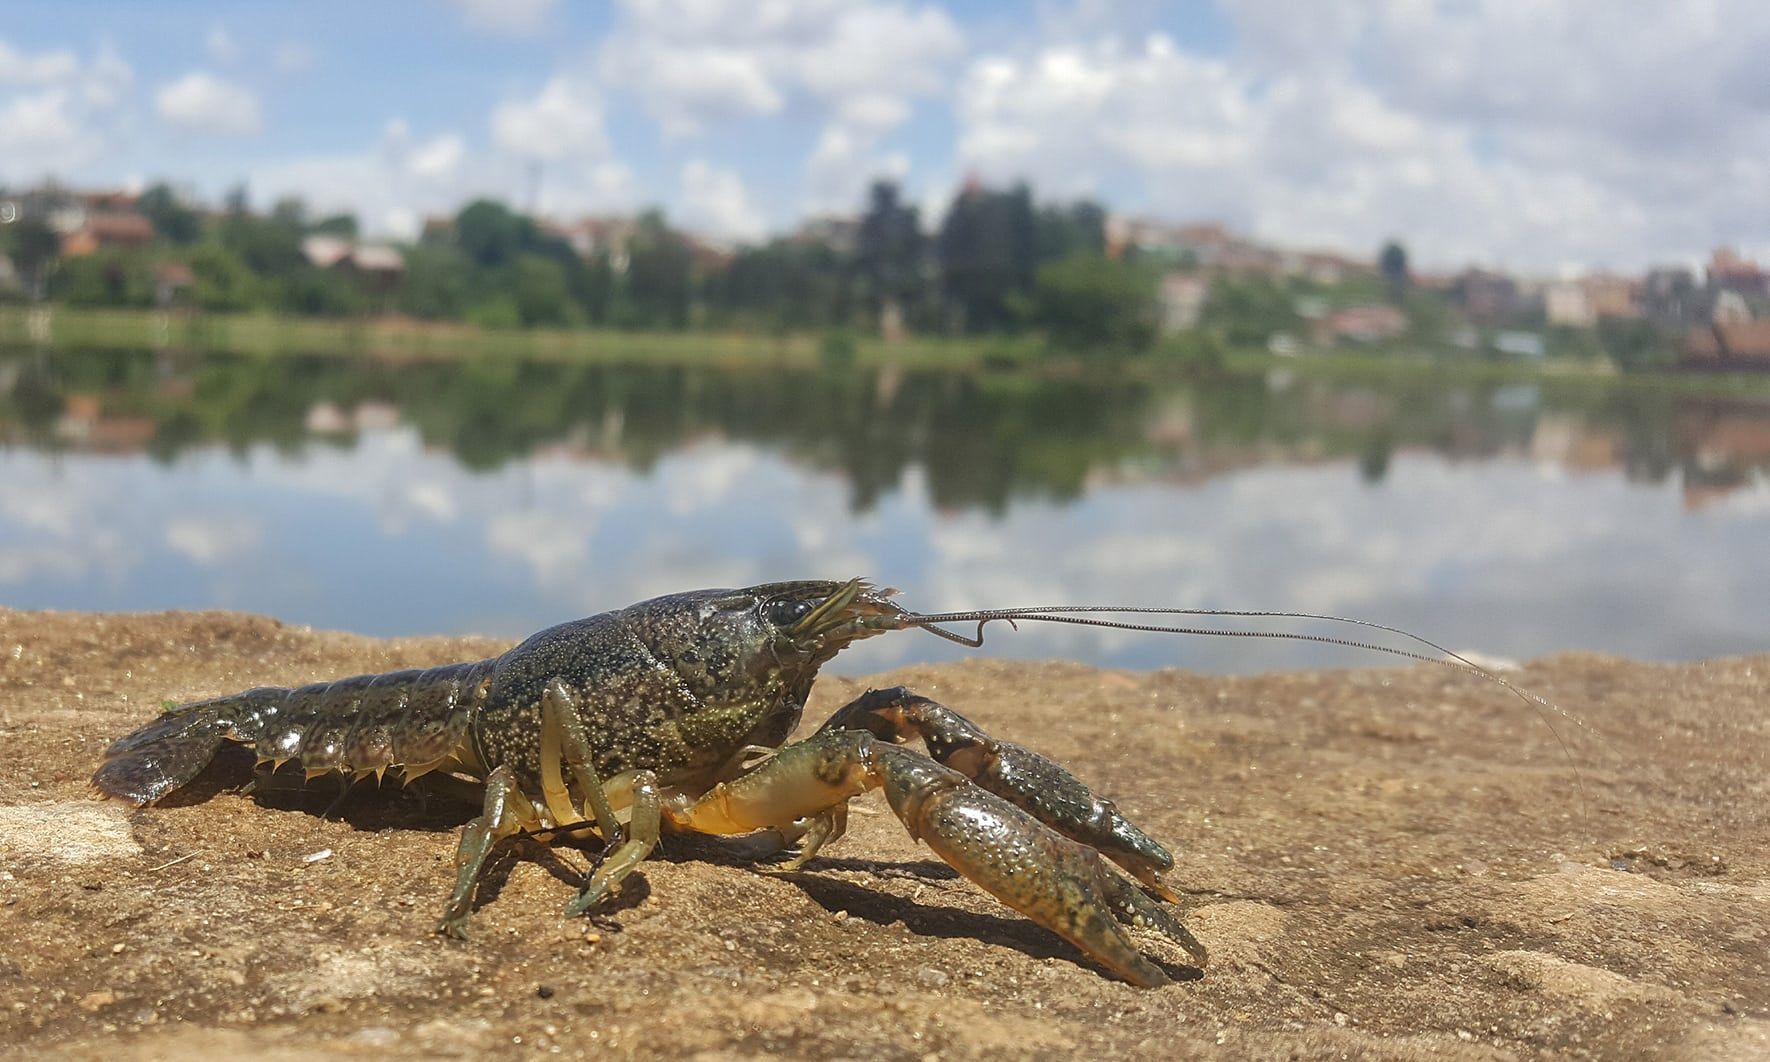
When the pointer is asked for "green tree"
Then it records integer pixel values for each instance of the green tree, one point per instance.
(1392, 264)
(541, 293)
(594, 286)
(107, 278)
(659, 273)
(291, 210)
(269, 247)
(1077, 228)
(343, 225)
(1634, 344)
(492, 234)
(1089, 302)
(222, 280)
(323, 292)
(889, 251)
(785, 285)
(988, 253)
(173, 221)
(1249, 310)
(34, 247)
(439, 282)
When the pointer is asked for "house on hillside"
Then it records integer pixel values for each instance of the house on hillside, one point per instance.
(107, 230)
(1488, 297)
(1180, 301)
(1565, 303)
(380, 266)
(1671, 297)
(596, 235)
(1730, 271)
(1372, 323)
(1728, 346)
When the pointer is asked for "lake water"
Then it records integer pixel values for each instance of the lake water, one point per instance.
(500, 497)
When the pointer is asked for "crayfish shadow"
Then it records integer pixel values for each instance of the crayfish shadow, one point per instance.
(506, 858)
(433, 807)
(881, 908)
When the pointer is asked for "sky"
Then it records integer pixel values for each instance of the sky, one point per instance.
(1537, 135)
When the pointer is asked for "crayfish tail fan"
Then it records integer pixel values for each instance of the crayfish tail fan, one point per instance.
(144, 766)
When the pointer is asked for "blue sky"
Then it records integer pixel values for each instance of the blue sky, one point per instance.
(1542, 136)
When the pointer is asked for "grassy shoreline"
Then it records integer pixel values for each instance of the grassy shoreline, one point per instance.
(397, 338)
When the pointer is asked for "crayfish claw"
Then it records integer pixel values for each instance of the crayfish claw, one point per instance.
(1062, 884)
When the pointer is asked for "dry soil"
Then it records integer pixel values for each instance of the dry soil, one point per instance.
(1385, 864)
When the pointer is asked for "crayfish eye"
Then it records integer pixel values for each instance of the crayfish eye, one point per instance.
(784, 612)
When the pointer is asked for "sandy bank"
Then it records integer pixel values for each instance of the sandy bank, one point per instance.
(1383, 863)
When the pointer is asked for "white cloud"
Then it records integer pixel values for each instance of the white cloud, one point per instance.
(388, 186)
(219, 43)
(106, 81)
(57, 110)
(439, 158)
(688, 87)
(18, 68)
(842, 165)
(696, 63)
(715, 201)
(562, 127)
(214, 538)
(48, 129)
(201, 102)
(563, 121)
(509, 18)
(292, 57)
(1293, 138)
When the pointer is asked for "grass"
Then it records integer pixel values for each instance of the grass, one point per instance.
(394, 338)
(268, 335)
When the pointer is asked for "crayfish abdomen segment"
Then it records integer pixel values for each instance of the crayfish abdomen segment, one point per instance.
(415, 719)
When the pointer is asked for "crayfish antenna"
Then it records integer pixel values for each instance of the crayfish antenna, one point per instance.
(1447, 658)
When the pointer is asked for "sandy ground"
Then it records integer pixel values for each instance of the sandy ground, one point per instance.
(1387, 864)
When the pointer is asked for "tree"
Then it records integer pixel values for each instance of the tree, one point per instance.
(539, 288)
(34, 250)
(271, 248)
(1079, 227)
(889, 252)
(107, 278)
(1249, 311)
(492, 234)
(659, 281)
(782, 286)
(343, 225)
(1392, 264)
(438, 284)
(222, 281)
(291, 210)
(1634, 344)
(988, 252)
(1089, 302)
(173, 221)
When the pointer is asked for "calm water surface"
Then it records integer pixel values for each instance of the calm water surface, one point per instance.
(502, 497)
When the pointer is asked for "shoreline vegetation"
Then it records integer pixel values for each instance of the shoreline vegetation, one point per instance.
(394, 338)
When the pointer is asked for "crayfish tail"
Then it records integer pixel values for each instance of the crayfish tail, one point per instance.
(153, 761)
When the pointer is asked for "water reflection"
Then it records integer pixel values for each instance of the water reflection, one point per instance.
(500, 496)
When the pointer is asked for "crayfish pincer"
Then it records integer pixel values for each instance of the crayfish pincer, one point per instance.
(672, 714)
